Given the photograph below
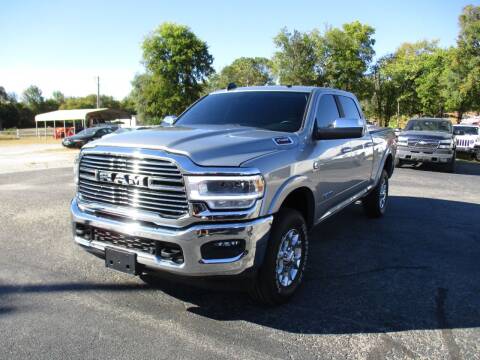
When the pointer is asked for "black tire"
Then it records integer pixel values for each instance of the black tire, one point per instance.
(375, 203)
(399, 163)
(477, 154)
(268, 288)
(450, 166)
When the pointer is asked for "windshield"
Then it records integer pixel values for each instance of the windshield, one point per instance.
(465, 130)
(278, 111)
(88, 131)
(429, 125)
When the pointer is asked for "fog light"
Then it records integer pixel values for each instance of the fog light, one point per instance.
(222, 249)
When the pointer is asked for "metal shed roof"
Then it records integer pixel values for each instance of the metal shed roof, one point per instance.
(79, 114)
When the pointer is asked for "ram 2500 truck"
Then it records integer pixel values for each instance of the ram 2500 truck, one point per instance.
(233, 187)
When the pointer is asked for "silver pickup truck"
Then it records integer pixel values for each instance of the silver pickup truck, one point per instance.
(233, 187)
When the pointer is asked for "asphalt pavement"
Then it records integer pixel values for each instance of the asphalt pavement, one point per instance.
(405, 286)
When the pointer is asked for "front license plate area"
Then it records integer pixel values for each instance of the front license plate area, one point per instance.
(123, 261)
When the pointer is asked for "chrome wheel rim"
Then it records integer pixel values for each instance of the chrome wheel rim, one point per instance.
(383, 193)
(289, 258)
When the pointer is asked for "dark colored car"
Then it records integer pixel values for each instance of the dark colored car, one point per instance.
(87, 135)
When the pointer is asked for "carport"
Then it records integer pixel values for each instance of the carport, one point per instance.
(86, 117)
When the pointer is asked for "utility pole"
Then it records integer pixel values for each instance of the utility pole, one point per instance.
(98, 92)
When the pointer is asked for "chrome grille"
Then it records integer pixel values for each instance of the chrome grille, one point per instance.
(168, 198)
(464, 142)
(423, 145)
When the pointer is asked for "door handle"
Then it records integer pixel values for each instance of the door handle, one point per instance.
(346, 150)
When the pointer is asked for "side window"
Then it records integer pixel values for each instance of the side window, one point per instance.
(350, 110)
(327, 111)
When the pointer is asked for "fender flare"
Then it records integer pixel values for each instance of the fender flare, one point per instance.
(292, 184)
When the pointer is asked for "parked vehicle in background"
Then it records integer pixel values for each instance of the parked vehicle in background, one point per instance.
(233, 187)
(87, 135)
(427, 140)
(467, 138)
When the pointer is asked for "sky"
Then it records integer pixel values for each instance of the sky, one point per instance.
(64, 45)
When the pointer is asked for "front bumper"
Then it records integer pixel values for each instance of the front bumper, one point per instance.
(468, 150)
(417, 156)
(254, 233)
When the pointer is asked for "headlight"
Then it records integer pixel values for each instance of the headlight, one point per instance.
(402, 141)
(445, 144)
(76, 165)
(225, 192)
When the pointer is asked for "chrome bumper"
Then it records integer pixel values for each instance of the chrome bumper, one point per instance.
(424, 157)
(254, 232)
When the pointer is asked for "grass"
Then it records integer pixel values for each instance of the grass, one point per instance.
(12, 141)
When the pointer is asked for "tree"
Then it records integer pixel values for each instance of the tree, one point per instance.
(89, 102)
(344, 55)
(295, 61)
(461, 78)
(33, 99)
(243, 71)
(177, 63)
(58, 97)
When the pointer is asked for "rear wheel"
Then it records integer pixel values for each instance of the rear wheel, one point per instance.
(399, 162)
(375, 203)
(282, 270)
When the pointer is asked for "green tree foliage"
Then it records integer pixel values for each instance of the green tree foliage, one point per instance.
(461, 78)
(344, 56)
(177, 63)
(32, 97)
(337, 58)
(295, 61)
(89, 102)
(243, 71)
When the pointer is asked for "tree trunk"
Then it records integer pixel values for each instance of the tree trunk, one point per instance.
(459, 116)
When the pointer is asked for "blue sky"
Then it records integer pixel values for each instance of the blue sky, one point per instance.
(63, 45)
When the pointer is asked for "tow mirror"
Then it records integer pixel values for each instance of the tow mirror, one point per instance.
(341, 129)
(169, 120)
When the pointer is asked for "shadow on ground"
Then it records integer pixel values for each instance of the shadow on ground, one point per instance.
(407, 271)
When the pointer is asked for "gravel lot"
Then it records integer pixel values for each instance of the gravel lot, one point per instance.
(405, 286)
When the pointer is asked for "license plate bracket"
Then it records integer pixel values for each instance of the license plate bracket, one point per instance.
(119, 260)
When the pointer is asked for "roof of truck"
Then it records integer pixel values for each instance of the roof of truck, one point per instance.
(287, 88)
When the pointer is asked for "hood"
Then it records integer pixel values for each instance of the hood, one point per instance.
(206, 146)
(427, 135)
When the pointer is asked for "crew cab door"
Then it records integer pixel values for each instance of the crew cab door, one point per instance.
(333, 159)
(359, 150)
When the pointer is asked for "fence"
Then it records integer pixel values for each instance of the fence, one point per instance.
(19, 133)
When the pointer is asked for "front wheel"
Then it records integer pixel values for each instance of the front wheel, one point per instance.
(477, 154)
(282, 270)
(451, 165)
(375, 203)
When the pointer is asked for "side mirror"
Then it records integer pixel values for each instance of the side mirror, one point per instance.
(169, 120)
(341, 129)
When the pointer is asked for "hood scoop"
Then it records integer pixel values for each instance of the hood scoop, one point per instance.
(283, 140)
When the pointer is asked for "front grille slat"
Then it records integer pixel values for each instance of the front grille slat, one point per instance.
(168, 198)
(419, 145)
(137, 170)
